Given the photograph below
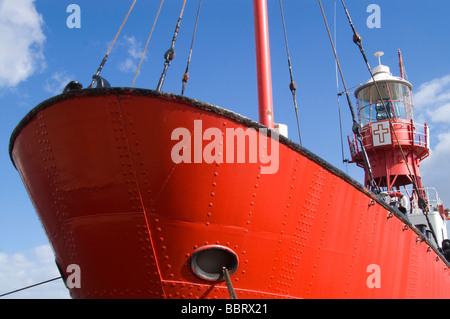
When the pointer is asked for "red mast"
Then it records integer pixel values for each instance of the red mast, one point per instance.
(400, 62)
(264, 78)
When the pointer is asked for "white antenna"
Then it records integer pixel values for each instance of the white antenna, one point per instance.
(379, 54)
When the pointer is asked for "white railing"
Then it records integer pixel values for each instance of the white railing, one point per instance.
(432, 198)
(419, 136)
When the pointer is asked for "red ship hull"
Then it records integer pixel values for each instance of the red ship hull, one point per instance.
(97, 166)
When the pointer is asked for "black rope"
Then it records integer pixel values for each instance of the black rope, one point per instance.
(186, 73)
(102, 64)
(344, 160)
(170, 54)
(292, 85)
(356, 127)
(41, 283)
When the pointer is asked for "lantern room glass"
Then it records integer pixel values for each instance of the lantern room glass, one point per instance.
(395, 102)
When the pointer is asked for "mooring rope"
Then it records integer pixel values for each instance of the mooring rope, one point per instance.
(31, 286)
(226, 276)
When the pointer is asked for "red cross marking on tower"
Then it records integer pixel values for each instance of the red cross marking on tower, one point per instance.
(380, 132)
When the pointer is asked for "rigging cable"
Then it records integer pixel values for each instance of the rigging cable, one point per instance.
(170, 54)
(186, 73)
(40, 283)
(111, 46)
(292, 85)
(422, 202)
(356, 128)
(146, 45)
(337, 91)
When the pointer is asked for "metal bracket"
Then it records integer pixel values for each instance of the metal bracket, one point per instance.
(101, 82)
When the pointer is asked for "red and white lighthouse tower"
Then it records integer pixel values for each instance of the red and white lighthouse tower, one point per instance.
(394, 143)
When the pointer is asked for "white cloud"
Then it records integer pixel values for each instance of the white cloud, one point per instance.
(21, 41)
(436, 168)
(56, 83)
(432, 105)
(127, 66)
(24, 269)
(134, 51)
(433, 91)
(44, 253)
(440, 114)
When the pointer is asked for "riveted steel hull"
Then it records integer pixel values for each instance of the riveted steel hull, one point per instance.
(97, 166)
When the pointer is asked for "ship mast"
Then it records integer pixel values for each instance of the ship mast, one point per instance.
(264, 78)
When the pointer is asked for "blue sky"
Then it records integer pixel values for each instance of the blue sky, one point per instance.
(39, 54)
